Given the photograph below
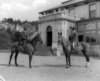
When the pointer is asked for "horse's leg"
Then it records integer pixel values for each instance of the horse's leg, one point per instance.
(69, 60)
(35, 48)
(86, 56)
(16, 55)
(66, 60)
(71, 48)
(30, 59)
(12, 52)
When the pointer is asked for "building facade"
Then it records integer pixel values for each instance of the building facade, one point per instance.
(84, 15)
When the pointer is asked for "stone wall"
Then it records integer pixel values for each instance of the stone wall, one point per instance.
(94, 50)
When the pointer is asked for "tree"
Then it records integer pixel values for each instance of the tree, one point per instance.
(5, 41)
(10, 20)
(4, 20)
(18, 22)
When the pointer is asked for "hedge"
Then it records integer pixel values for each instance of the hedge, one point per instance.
(5, 39)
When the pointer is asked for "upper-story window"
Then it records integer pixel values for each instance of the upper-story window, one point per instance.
(72, 11)
(92, 10)
(81, 27)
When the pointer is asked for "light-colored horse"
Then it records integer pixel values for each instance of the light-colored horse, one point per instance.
(66, 45)
(66, 49)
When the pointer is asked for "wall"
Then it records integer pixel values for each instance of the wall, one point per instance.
(90, 29)
(57, 26)
(82, 11)
(98, 9)
(68, 31)
(94, 50)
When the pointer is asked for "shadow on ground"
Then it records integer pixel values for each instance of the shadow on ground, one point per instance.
(44, 65)
(12, 65)
(57, 66)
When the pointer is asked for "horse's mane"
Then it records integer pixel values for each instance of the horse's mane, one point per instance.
(65, 44)
(65, 40)
(33, 37)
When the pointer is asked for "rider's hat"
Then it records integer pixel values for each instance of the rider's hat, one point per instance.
(59, 33)
(72, 28)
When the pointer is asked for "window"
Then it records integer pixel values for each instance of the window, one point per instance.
(91, 26)
(88, 39)
(91, 36)
(81, 27)
(92, 11)
(98, 24)
(99, 35)
(93, 40)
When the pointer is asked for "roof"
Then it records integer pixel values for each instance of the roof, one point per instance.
(92, 19)
(72, 1)
(66, 3)
(28, 25)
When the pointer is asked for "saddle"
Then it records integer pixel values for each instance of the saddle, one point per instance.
(78, 46)
(23, 47)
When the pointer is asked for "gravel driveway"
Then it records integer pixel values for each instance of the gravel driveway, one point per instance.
(49, 68)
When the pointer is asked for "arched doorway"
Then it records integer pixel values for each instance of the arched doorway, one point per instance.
(49, 36)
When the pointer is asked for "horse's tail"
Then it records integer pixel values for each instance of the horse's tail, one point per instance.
(85, 43)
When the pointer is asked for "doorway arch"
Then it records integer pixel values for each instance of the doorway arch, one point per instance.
(49, 35)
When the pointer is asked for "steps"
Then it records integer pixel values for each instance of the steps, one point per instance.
(43, 48)
(43, 51)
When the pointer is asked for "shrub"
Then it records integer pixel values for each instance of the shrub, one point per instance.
(5, 41)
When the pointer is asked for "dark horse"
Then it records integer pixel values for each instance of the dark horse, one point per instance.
(30, 46)
(83, 47)
(66, 45)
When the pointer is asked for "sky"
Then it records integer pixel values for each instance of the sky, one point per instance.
(25, 9)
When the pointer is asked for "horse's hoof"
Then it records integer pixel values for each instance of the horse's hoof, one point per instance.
(70, 65)
(17, 65)
(87, 65)
(67, 66)
(30, 66)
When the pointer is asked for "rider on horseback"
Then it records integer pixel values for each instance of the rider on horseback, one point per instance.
(24, 37)
(21, 38)
(73, 38)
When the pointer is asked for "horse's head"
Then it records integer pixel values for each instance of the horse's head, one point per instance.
(59, 37)
(39, 38)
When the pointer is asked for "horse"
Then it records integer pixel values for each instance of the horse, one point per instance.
(66, 46)
(83, 47)
(67, 49)
(30, 48)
